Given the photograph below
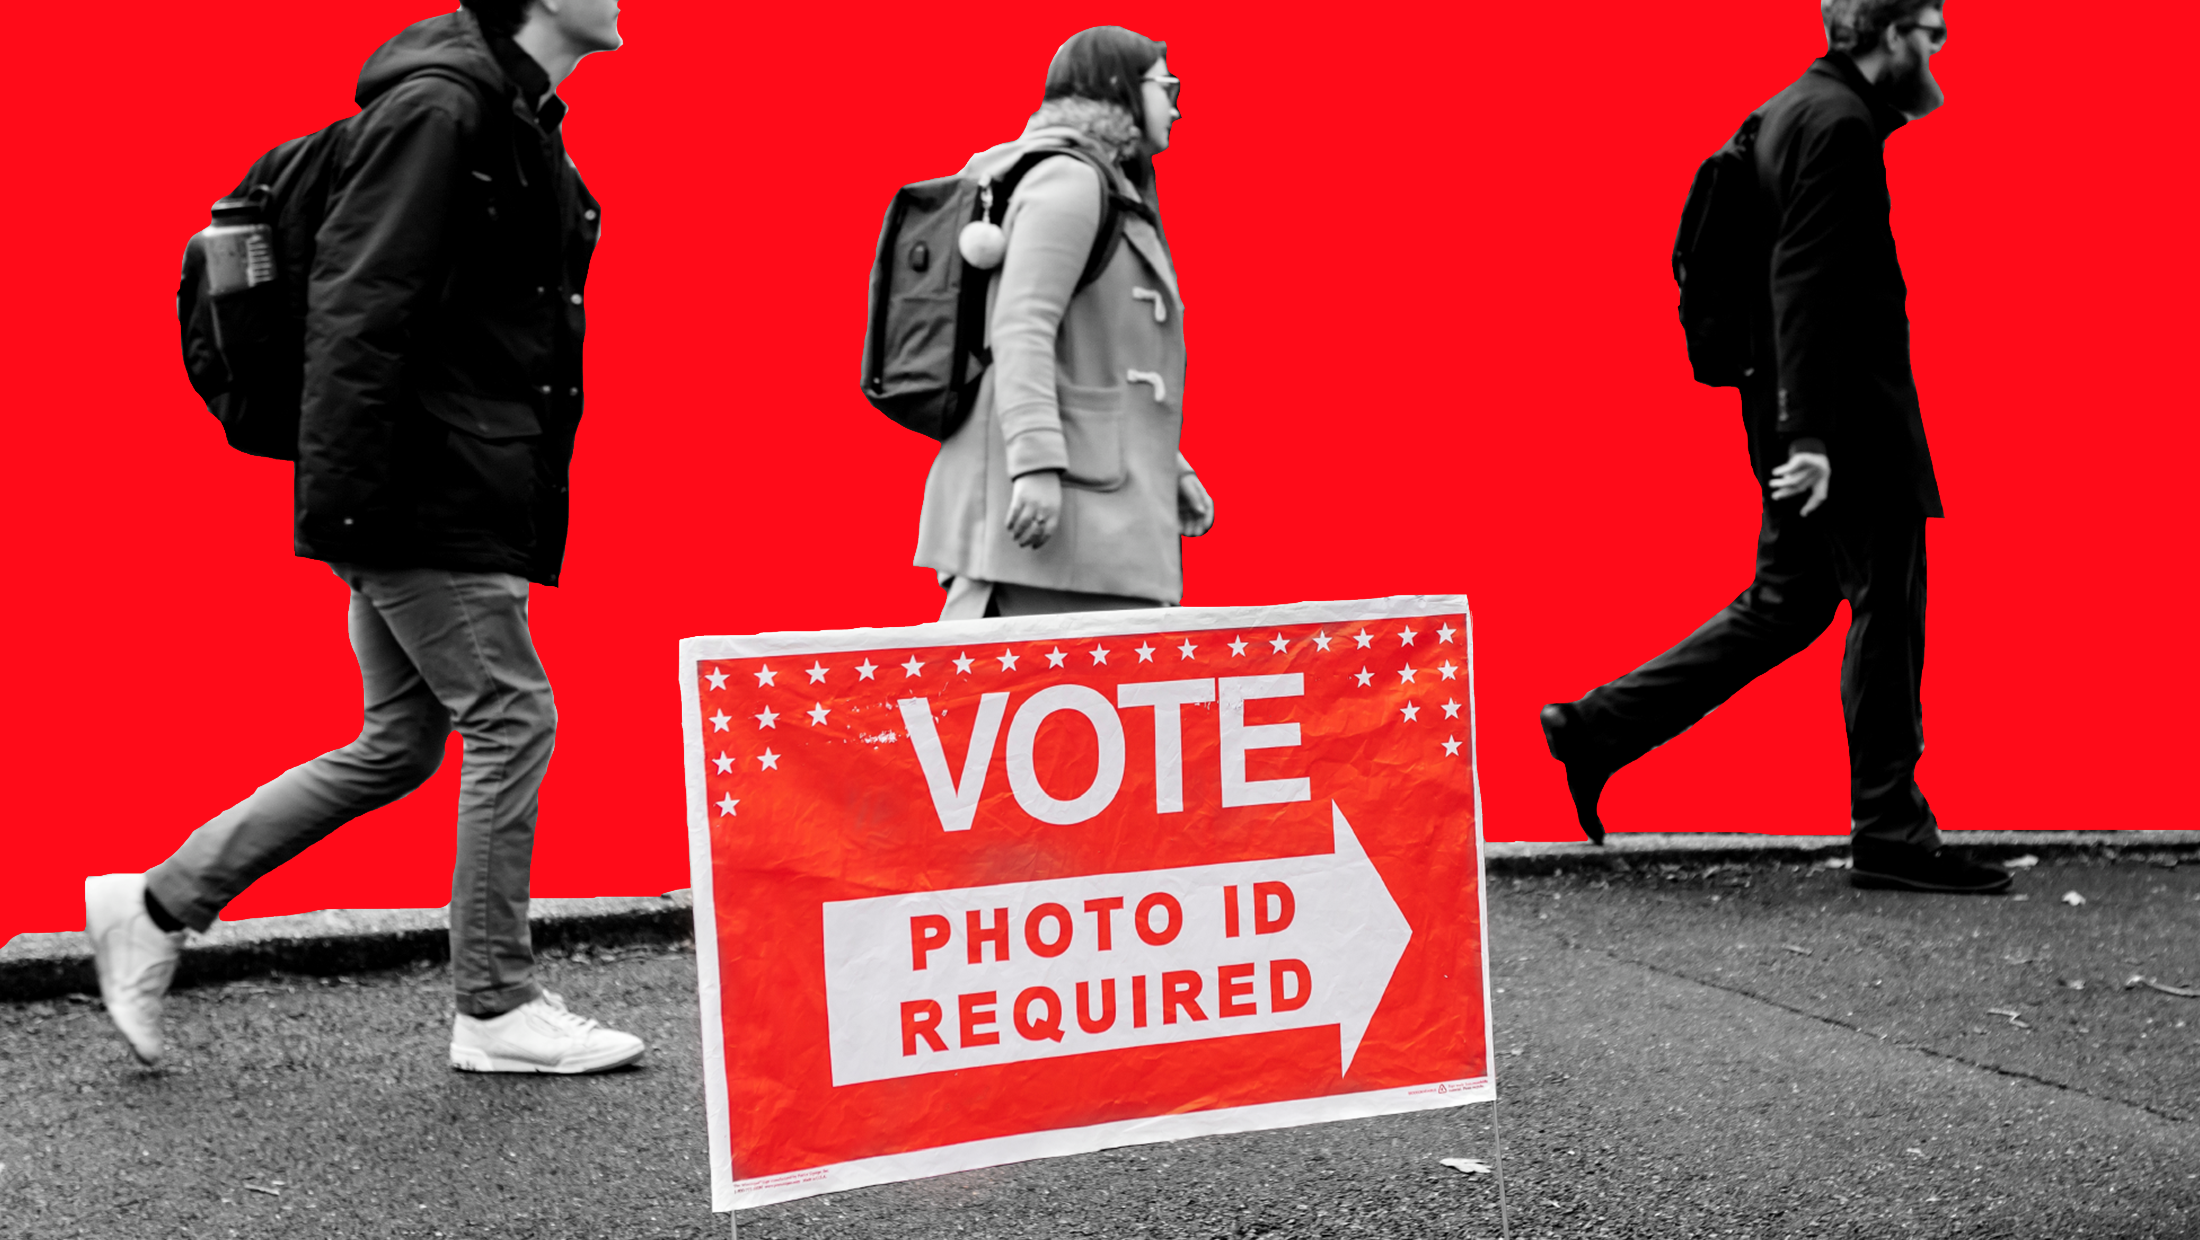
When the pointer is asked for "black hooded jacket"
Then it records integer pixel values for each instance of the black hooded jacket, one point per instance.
(444, 318)
(1839, 323)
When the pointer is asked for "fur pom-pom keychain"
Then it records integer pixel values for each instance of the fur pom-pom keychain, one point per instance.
(983, 244)
(981, 241)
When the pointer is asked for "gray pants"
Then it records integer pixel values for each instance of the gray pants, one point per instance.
(437, 649)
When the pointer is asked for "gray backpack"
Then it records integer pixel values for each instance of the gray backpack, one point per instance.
(924, 343)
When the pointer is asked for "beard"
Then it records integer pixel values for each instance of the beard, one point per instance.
(1910, 87)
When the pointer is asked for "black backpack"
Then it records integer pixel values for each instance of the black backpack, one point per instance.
(924, 343)
(245, 349)
(1720, 262)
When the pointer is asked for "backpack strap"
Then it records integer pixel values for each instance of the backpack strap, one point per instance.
(1104, 243)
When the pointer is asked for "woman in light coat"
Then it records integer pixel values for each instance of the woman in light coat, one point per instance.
(1064, 490)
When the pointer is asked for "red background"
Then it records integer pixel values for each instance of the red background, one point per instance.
(844, 815)
(1425, 253)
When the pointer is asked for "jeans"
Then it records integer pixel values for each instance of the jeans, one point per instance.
(1806, 566)
(437, 649)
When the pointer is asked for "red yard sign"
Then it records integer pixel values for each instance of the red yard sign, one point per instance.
(981, 891)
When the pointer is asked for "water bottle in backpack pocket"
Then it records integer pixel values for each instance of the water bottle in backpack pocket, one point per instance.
(230, 305)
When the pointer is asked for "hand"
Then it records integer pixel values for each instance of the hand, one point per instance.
(1195, 509)
(1035, 508)
(1804, 471)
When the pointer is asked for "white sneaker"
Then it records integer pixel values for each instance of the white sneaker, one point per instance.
(135, 958)
(539, 1036)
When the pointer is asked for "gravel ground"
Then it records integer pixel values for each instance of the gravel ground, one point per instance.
(1756, 1051)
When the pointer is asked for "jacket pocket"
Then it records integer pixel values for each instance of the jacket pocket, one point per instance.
(1092, 437)
(483, 417)
(476, 484)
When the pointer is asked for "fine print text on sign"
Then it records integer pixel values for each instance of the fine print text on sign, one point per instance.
(974, 892)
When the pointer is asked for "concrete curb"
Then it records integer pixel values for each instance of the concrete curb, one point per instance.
(1622, 851)
(338, 941)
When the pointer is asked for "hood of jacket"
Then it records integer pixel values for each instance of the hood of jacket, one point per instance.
(1104, 130)
(451, 41)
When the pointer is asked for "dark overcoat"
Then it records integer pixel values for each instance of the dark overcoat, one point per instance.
(1839, 326)
(444, 318)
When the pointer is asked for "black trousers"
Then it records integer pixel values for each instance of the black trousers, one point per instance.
(1806, 566)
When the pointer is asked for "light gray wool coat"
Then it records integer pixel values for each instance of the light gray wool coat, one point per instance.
(1091, 384)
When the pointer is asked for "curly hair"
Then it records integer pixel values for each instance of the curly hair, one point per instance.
(1111, 128)
(1854, 26)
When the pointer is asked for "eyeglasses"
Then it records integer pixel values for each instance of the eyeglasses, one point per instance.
(1937, 35)
(1169, 86)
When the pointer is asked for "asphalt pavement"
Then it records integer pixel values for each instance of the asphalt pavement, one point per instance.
(1738, 1049)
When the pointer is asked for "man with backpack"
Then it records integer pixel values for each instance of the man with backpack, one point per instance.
(1836, 440)
(441, 391)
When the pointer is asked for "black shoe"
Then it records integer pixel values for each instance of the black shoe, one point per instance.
(1908, 867)
(1585, 779)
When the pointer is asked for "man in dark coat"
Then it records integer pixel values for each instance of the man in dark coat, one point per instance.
(1838, 443)
(441, 393)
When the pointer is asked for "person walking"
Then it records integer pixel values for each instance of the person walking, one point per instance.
(1837, 441)
(1064, 490)
(442, 390)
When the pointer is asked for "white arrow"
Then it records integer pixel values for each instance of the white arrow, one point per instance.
(1316, 941)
